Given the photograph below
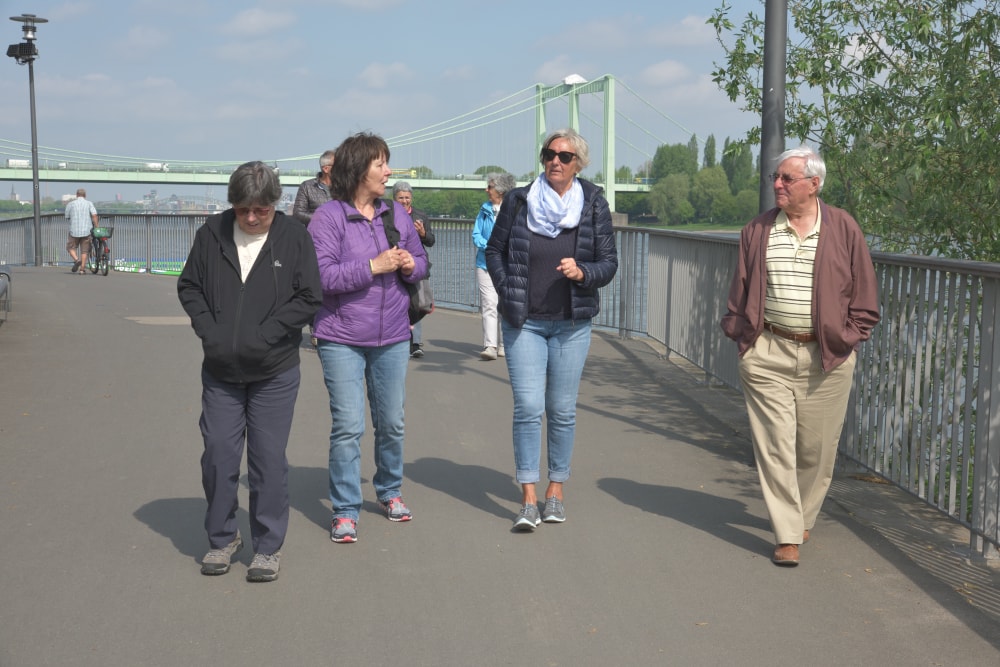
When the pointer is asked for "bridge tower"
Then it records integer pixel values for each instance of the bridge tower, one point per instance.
(571, 88)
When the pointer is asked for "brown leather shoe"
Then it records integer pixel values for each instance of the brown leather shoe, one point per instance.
(786, 554)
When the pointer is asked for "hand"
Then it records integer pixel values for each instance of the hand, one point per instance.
(406, 261)
(567, 267)
(386, 262)
(419, 226)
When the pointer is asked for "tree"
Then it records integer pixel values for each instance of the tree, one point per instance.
(901, 100)
(623, 175)
(738, 165)
(668, 200)
(710, 196)
(709, 159)
(673, 159)
(489, 169)
(693, 147)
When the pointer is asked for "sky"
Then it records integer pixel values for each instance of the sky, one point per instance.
(186, 80)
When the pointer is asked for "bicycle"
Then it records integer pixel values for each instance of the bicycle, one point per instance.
(100, 250)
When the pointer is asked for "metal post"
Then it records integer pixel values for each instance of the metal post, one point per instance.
(22, 53)
(772, 122)
(36, 193)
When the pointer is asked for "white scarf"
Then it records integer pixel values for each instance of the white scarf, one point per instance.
(548, 213)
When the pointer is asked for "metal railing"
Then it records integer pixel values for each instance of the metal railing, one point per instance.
(925, 407)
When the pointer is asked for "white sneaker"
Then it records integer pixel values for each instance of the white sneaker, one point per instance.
(501, 352)
(488, 354)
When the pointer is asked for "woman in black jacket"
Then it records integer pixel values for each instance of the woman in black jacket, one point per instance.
(250, 283)
(552, 247)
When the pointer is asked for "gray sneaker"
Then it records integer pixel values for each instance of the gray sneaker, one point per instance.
(528, 518)
(217, 561)
(264, 567)
(553, 512)
(344, 530)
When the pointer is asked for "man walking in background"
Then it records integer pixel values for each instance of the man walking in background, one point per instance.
(315, 192)
(82, 218)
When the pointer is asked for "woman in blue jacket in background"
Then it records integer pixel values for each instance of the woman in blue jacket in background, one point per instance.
(497, 185)
(552, 247)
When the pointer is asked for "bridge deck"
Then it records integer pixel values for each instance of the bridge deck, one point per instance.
(664, 558)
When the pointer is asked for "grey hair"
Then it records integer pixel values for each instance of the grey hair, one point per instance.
(401, 186)
(580, 146)
(815, 166)
(326, 159)
(254, 183)
(502, 182)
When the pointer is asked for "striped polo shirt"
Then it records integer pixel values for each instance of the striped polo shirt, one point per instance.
(788, 300)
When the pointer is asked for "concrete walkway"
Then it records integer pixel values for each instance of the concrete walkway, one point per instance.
(663, 561)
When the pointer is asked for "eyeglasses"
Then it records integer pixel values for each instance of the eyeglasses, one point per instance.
(786, 179)
(258, 211)
(564, 156)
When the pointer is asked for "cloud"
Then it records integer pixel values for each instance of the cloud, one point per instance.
(364, 5)
(461, 73)
(68, 11)
(666, 73)
(142, 40)
(379, 75)
(691, 31)
(257, 22)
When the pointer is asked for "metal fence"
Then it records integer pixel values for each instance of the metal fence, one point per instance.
(925, 408)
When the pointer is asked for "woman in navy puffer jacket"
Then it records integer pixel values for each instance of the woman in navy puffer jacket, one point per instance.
(552, 247)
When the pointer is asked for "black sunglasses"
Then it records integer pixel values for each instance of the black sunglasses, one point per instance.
(564, 156)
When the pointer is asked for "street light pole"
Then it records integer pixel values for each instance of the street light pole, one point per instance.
(26, 52)
(772, 121)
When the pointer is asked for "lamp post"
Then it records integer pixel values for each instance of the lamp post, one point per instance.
(26, 52)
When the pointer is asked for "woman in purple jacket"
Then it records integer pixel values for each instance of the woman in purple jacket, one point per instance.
(363, 327)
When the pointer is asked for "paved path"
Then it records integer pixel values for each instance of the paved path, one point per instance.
(663, 561)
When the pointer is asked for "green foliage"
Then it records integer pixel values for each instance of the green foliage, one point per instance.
(15, 208)
(901, 99)
(669, 200)
(711, 197)
(452, 203)
(489, 169)
(709, 159)
(673, 159)
(737, 162)
(633, 204)
(623, 175)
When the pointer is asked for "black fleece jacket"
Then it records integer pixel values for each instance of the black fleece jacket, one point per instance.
(250, 331)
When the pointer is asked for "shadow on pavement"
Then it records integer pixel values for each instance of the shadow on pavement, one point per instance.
(722, 518)
(470, 484)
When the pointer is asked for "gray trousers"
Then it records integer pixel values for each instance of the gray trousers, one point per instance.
(260, 415)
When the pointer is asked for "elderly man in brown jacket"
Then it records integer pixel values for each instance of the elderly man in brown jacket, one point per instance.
(803, 298)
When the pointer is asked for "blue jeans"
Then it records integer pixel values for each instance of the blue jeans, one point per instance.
(545, 361)
(347, 370)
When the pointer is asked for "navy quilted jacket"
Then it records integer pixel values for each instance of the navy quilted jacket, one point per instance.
(507, 255)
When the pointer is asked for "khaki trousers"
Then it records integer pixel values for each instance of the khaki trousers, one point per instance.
(796, 417)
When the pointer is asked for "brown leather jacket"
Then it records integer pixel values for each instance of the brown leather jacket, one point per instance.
(845, 304)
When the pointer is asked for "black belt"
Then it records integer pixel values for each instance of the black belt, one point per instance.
(790, 335)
